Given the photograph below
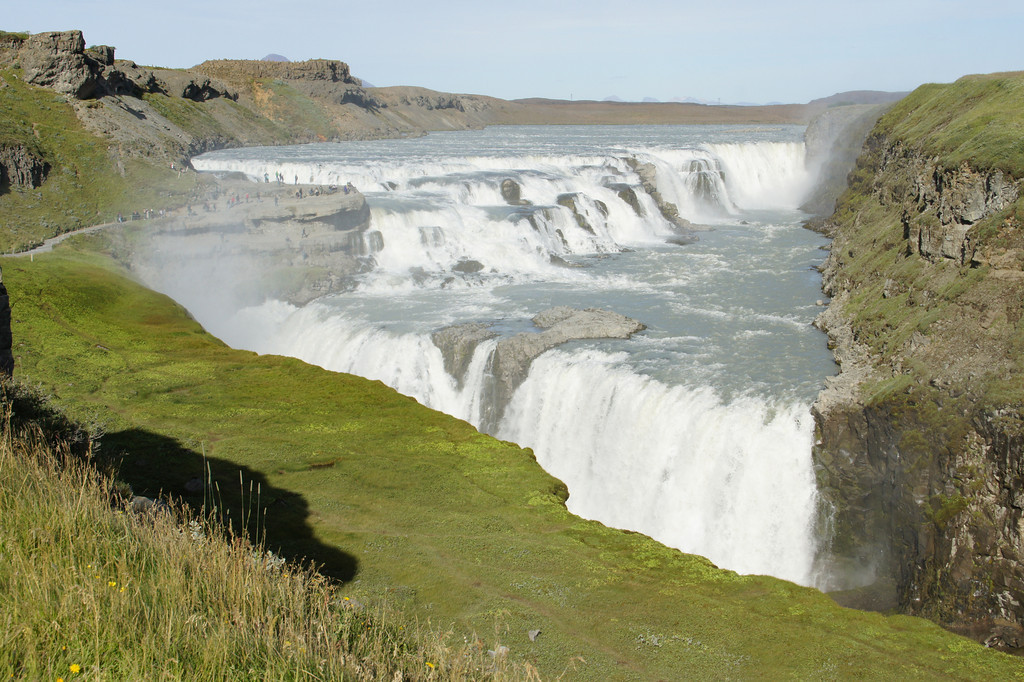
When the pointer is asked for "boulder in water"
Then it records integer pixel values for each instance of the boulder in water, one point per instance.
(512, 193)
(468, 266)
(628, 195)
(513, 355)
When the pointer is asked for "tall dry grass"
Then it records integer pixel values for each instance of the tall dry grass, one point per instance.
(90, 590)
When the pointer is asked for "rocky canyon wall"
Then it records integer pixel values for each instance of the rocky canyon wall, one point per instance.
(919, 439)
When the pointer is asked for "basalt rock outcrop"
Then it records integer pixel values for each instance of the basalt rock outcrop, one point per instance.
(57, 60)
(235, 70)
(21, 167)
(572, 201)
(512, 356)
(920, 439)
(510, 360)
(947, 203)
(649, 180)
(60, 60)
(458, 343)
(6, 338)
(628, 195)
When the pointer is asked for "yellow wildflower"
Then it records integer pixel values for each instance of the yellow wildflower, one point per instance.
(430, 665)
(111, 583)
(75, 668)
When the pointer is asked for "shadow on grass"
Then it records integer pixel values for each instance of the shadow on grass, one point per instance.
(160, 467)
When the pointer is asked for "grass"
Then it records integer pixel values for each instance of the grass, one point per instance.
(219, 119)
(92, 590)
(83, 187)
(977, 120)
(302, 116)
(414, 509)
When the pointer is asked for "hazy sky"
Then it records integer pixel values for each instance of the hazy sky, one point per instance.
(728, 50)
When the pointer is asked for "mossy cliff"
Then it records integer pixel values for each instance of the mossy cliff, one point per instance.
(920, 438)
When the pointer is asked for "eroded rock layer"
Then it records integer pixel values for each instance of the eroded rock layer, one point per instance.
(920, 438)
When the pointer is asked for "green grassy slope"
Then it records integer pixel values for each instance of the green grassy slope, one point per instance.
(979, 121)
(416, 508)
(83, 186)
(93, 590)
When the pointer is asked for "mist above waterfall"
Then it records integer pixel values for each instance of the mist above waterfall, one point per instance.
(695, 431)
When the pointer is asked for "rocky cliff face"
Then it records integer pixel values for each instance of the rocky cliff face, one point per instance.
(945, 203)
(236, 70)
(21, 167)
(920, 440)
(59, 60)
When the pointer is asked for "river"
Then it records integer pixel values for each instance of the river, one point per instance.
(696, 431)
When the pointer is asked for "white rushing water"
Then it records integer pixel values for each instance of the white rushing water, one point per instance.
(696, 431)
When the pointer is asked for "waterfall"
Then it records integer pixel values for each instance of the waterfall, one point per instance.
(729, 481)
(770, 175)
(670, 433)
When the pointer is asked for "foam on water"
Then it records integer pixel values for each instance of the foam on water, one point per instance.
(730, 481)
(696, 432)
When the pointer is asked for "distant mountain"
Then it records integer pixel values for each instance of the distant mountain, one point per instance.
(275, 58)
(651, 99)
(612, 98)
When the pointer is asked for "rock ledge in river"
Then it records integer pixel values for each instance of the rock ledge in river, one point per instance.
(510, 362)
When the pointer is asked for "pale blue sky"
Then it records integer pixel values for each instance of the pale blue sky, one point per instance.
(728, 50)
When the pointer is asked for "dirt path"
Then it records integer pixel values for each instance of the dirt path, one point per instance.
(48, 245)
